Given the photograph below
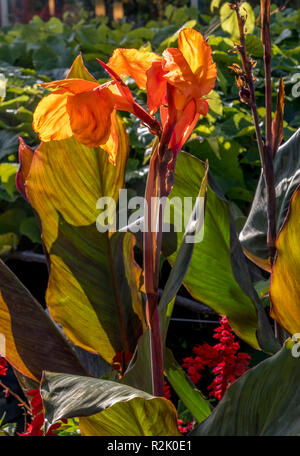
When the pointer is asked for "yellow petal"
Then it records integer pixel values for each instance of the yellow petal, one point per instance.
(198, 55)
(134, 63)
(51, 119)
(90, 116)
(112, 144)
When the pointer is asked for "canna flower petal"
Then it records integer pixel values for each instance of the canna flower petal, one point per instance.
(198, 55)
(156, 87)
(184, 126)
(178, 72)
(72, 86)
(78, 107)
(112, 144)
(90, 116)
(134, 63)
(51, 119)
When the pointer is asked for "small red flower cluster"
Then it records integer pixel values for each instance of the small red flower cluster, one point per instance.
(36, 405)
(3, 366)
(184, 428)
(222, 358)
(167, 392)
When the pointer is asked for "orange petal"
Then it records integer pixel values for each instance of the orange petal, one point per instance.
(198, 55)
(73, 86)
(156, 87)
(51, 119)
(184, 126)
(112, 144)
(122, 97)
(134, 63)
(90, 116)
(178, 71)
(163, 115)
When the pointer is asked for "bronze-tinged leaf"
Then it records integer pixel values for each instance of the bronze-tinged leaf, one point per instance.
(277, 124)
(30, 340)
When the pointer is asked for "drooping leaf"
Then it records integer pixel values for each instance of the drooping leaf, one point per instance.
(264, 401)
(253, 237)
(31, 342)
(218, 274)
(106, 407)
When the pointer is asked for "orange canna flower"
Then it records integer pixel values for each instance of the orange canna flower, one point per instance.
(87, 110)
(81, 108)
(190, 72)
(176, 84)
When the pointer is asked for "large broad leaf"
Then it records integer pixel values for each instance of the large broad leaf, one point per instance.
(93, 285)
(29, 339)
(218, 274)
(264, 401)
(285, 286)
(287, 178)
(106, 408)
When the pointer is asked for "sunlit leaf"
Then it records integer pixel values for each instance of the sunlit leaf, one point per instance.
(229, 21)
(218, 274)
(93, 285)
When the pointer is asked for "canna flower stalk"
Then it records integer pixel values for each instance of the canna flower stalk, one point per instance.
(176, 84)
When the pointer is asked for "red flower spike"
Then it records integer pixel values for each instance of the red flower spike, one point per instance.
(3, 366)
(227, 365)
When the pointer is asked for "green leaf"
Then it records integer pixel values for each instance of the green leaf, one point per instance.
(254, 46)
(229, 21)
(171, 40)
(8, 177)
(30, 228)
(264, 401)
(287, 178)
(214, 4)
(8, 242)
(31, 343)
(191, 397)
(106, 407)
(8, 143)
(218, 274)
